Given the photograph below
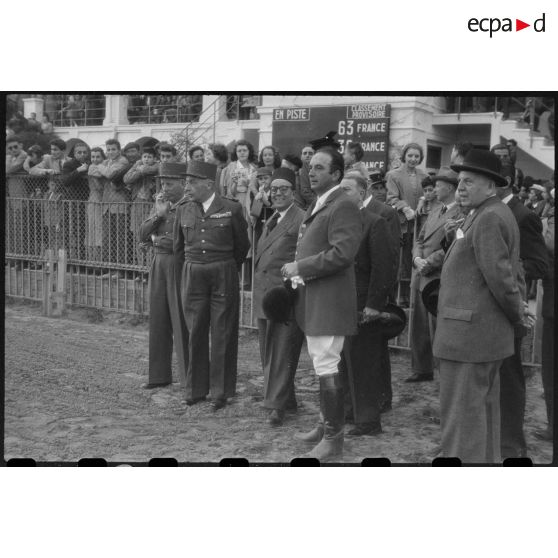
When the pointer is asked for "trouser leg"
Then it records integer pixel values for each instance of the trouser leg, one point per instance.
(224, 330)
(470, 410)
(547, 368)
(160, 327)
(420, 340)
(512, 404)
(196, 297)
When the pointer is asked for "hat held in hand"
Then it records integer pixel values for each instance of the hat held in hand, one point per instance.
(278, 302)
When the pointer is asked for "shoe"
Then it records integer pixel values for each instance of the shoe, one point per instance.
(153, 386)
(194, 400)
(218, 404)
(420, 378)
(276, 417)
(332, 406)
(544, 434)
(314, 436)
(291, 407)
(366, 429)
(385, 407)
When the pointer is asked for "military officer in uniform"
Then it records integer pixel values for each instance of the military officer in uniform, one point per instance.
(166, 321)
(210, 243)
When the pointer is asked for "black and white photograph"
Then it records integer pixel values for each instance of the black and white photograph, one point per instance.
(272, 276)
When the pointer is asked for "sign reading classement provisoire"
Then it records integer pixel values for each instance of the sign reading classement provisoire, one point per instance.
(367, 124)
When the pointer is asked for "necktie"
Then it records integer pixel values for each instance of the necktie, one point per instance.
(201, 209)
(444, 209)
(272, 223)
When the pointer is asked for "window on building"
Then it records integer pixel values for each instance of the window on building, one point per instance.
(75, 110)
(164, 109)
(433, 157)
(243, 107)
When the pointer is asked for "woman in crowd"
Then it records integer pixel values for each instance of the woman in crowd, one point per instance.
(239, 173)
(404, 186)
(217, 154)
(536, 202)
(94, 238)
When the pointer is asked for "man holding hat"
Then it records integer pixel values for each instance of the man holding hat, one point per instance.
(166, 321)
(211, 243)
(375, 203)
(326, 307)
(362, 363)
(479, 307)
(428, 256)
(280, 343)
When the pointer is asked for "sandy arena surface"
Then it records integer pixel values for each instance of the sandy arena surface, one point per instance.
(72, 390)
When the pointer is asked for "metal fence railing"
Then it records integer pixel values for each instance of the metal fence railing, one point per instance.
(103, 264)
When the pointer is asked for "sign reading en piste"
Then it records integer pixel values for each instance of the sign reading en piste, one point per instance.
(367, 124)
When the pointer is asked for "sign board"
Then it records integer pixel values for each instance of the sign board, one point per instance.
(367, 124)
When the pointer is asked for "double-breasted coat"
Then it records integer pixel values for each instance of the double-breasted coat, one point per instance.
(327, 245)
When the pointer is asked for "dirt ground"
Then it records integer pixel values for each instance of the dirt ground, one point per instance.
(72, 390)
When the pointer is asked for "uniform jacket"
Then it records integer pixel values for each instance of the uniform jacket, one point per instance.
(374, 263)
(532, 250)
(219, 235)
(327, 245)
(158, 231)
(428, 244)
(273, 250)
(480, 302)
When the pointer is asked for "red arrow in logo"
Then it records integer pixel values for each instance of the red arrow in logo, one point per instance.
(519, 25)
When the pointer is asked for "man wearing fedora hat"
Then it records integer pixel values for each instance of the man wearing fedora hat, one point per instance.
(534, 262)
(478, 308)
(280, 343)
(428, 256)
(166, 321)
(210, 243)
(362, 363)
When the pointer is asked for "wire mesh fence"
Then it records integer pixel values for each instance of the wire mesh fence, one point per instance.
(105, 265)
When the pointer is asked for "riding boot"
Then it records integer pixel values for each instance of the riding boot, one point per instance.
(331, 403)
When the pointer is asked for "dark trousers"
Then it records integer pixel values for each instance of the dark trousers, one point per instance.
(547, 368)
(210, 299)
(280, 347)
(166, 322)
(361, 371)
(423, 327)
(385, 377)
(512, 404)
(470, 410)
(406, 263)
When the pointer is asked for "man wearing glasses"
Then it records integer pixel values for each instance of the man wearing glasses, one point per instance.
(280, 343)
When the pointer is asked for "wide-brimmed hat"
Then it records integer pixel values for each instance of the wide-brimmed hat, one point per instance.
(277, 303)
(447, 175)
(538, 187)
(430, 294)
(393, 325)
(199, 169)
(326, 141)
(482, 162)
(173, 170)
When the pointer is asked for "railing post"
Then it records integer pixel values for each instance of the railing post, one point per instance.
(458, 108)
(47, 282)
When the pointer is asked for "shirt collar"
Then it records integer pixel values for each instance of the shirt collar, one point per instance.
(508, 198)
(207, 203)
(323, 198)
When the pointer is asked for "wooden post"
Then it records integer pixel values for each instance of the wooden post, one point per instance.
(59, 297)
(47, 282)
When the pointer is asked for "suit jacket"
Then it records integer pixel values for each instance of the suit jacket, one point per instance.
(428, 244)
(327, 245)
(479, 302)
(374, 263)
(273, 250)
(532, 249)
(392, 219)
